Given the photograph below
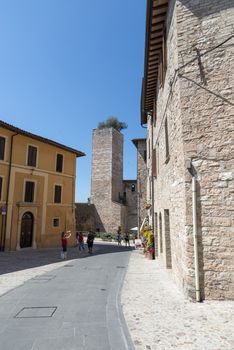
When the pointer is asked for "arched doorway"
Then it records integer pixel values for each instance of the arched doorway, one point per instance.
(26, 233)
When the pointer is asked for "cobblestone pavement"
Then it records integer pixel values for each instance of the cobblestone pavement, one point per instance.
(160, 318)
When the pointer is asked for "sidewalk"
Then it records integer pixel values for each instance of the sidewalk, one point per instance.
(160, 318)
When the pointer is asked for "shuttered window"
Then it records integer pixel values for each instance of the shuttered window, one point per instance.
(32, 156)
(57, 193)
(59, 163)
(2, 147)
(29, 191)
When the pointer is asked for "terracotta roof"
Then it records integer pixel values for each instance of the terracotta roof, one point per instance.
(39, 138)
(155, 18)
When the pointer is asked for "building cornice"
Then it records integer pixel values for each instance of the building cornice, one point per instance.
(155, 19)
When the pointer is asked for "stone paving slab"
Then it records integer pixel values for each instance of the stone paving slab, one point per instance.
(160, 318)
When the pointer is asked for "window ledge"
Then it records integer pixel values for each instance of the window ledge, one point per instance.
(27, 204)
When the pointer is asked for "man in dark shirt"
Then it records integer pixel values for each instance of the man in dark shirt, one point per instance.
(90, 239)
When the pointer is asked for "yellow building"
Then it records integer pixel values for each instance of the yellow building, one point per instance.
(37, 189)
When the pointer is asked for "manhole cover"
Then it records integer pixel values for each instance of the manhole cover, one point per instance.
(43, 278)
(103, 289)
(36, 312)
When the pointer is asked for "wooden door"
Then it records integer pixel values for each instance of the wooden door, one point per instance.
(26, 230)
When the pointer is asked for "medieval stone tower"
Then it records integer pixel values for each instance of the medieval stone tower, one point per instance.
(108, 190)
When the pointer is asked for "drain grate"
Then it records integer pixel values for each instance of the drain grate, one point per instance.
(120, 267)
(68, 265)
(36, 312)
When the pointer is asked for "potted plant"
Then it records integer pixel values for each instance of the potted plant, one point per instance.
(149, 243)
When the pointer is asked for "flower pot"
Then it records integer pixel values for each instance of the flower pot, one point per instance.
(149, 255)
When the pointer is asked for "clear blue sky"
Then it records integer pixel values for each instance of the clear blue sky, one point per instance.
(65, 65)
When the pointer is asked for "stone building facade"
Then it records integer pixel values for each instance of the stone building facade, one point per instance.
(141, 179)
(188, 106)
(114, 199)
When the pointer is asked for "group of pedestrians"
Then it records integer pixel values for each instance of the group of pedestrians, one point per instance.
(120, 237)
(79, 242)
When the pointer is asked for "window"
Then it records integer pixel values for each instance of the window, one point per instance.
(55, 222)
(57, 193)
(32, 156)
(155, 112)
(154, 163)
(145, 155)
(2, 147)
(59, 163)
(166, 142)
(1, 182)
(29, 191)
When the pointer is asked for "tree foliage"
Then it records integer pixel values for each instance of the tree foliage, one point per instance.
(112, 122)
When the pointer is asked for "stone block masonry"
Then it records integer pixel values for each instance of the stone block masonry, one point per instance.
(205, 34)
(195, 121)
(114, 203)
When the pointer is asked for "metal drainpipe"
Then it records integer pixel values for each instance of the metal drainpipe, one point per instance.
(196, 260)
(8, 189)
(152, 177)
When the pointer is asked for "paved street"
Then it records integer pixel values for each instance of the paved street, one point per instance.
(49, 304)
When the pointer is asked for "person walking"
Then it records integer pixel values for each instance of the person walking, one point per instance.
(64, 238)
(80, 241)
(118, 236)
(126, 239)
(90, 239)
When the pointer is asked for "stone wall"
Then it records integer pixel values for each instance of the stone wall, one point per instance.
(206, 88)
(85, 217)
(141, 179)
(107, 178)
(130, 188)
(169, 182)
(195, 109)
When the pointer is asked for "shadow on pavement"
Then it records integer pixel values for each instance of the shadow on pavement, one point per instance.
(28, 258)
